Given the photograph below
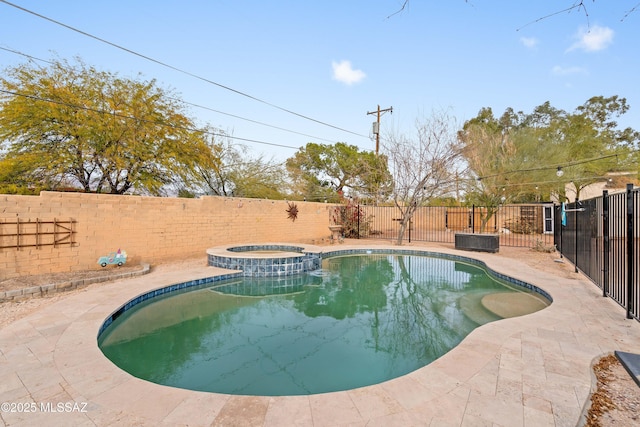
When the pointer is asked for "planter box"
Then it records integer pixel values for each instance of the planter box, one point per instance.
(478, 242)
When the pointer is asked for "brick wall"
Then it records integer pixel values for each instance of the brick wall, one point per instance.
(150, 229)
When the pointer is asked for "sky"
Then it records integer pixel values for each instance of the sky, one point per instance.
(279, 74)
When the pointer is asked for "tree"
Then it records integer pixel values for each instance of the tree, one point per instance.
(577, 5)
(72, 125)
(616, 148)
(488, 152)
(423, 168)
(238, 174)
(326, 172)
(517, 156)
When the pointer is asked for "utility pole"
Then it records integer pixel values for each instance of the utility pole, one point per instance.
(376, 124)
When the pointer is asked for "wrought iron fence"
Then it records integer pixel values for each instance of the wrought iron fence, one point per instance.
(518, 225)
(601, 238)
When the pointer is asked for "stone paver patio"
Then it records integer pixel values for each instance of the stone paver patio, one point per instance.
(533, 370)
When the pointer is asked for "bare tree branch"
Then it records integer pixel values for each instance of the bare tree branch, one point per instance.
(400, 10)
(577, 5)
(630, 11)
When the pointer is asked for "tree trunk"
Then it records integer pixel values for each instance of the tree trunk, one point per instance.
(405, 222)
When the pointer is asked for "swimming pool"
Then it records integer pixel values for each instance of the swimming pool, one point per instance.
(360, 320)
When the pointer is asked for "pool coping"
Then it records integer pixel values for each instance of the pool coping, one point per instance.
(530, 370)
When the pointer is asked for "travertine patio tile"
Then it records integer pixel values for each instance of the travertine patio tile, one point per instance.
(35, 379)
(374, 402)
(407, 391)
(159, 405)
(464, 362)
(537, 403)
(470, 420)
(450, 407)
(512, 362)
(484, 383)
(243, 411)
(327, 408)
(436, 382)
(289, 410)
(510, 375)
(560, 336)
(496, 411)
(9, 381)
(558, 393)
(124, 395)
(50, 393)
(536, 418)
(565, 416)
(196, 410)
(405, 418)
(90, 385)
(509, 390)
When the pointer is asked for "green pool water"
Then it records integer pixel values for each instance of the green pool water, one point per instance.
(359, 321)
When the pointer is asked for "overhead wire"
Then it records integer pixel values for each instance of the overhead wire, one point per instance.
(192, 104)
(564, 165)
(251, 120)
(124, 116)
(180, 70)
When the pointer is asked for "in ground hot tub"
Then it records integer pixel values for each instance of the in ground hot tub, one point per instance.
(266, 260)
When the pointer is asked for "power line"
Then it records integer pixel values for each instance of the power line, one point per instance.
(124, 116)
(251, 120)
(25, 55)
(164, 64)
(192, 104)
(542, 168)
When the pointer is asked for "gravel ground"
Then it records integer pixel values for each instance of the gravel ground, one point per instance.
(616, 402)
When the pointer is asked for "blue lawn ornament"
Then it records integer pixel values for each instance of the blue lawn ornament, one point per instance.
(117, 258)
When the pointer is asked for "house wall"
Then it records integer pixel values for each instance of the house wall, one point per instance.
(150, 229)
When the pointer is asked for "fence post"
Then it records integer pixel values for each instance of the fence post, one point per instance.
(358, 216)
(630, 255)
(575, 241)
(410, 229)
(473, 218)
(605, 238)
(561, 227)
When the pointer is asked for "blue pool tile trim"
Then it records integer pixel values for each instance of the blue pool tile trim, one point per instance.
(313, 262)
(252, 248)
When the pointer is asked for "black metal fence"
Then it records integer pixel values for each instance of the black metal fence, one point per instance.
(601, 238)
(518, 225)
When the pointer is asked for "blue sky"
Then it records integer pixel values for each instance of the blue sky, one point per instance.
(335, 60)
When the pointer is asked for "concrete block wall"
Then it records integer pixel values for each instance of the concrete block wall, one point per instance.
(152, 229)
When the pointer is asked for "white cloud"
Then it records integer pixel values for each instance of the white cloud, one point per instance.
(529, 42)
(593, 39)
(563, 71)
(343, 72)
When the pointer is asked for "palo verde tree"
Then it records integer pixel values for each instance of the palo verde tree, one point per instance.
(326, 172)
(424, 167)
(71, 125)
